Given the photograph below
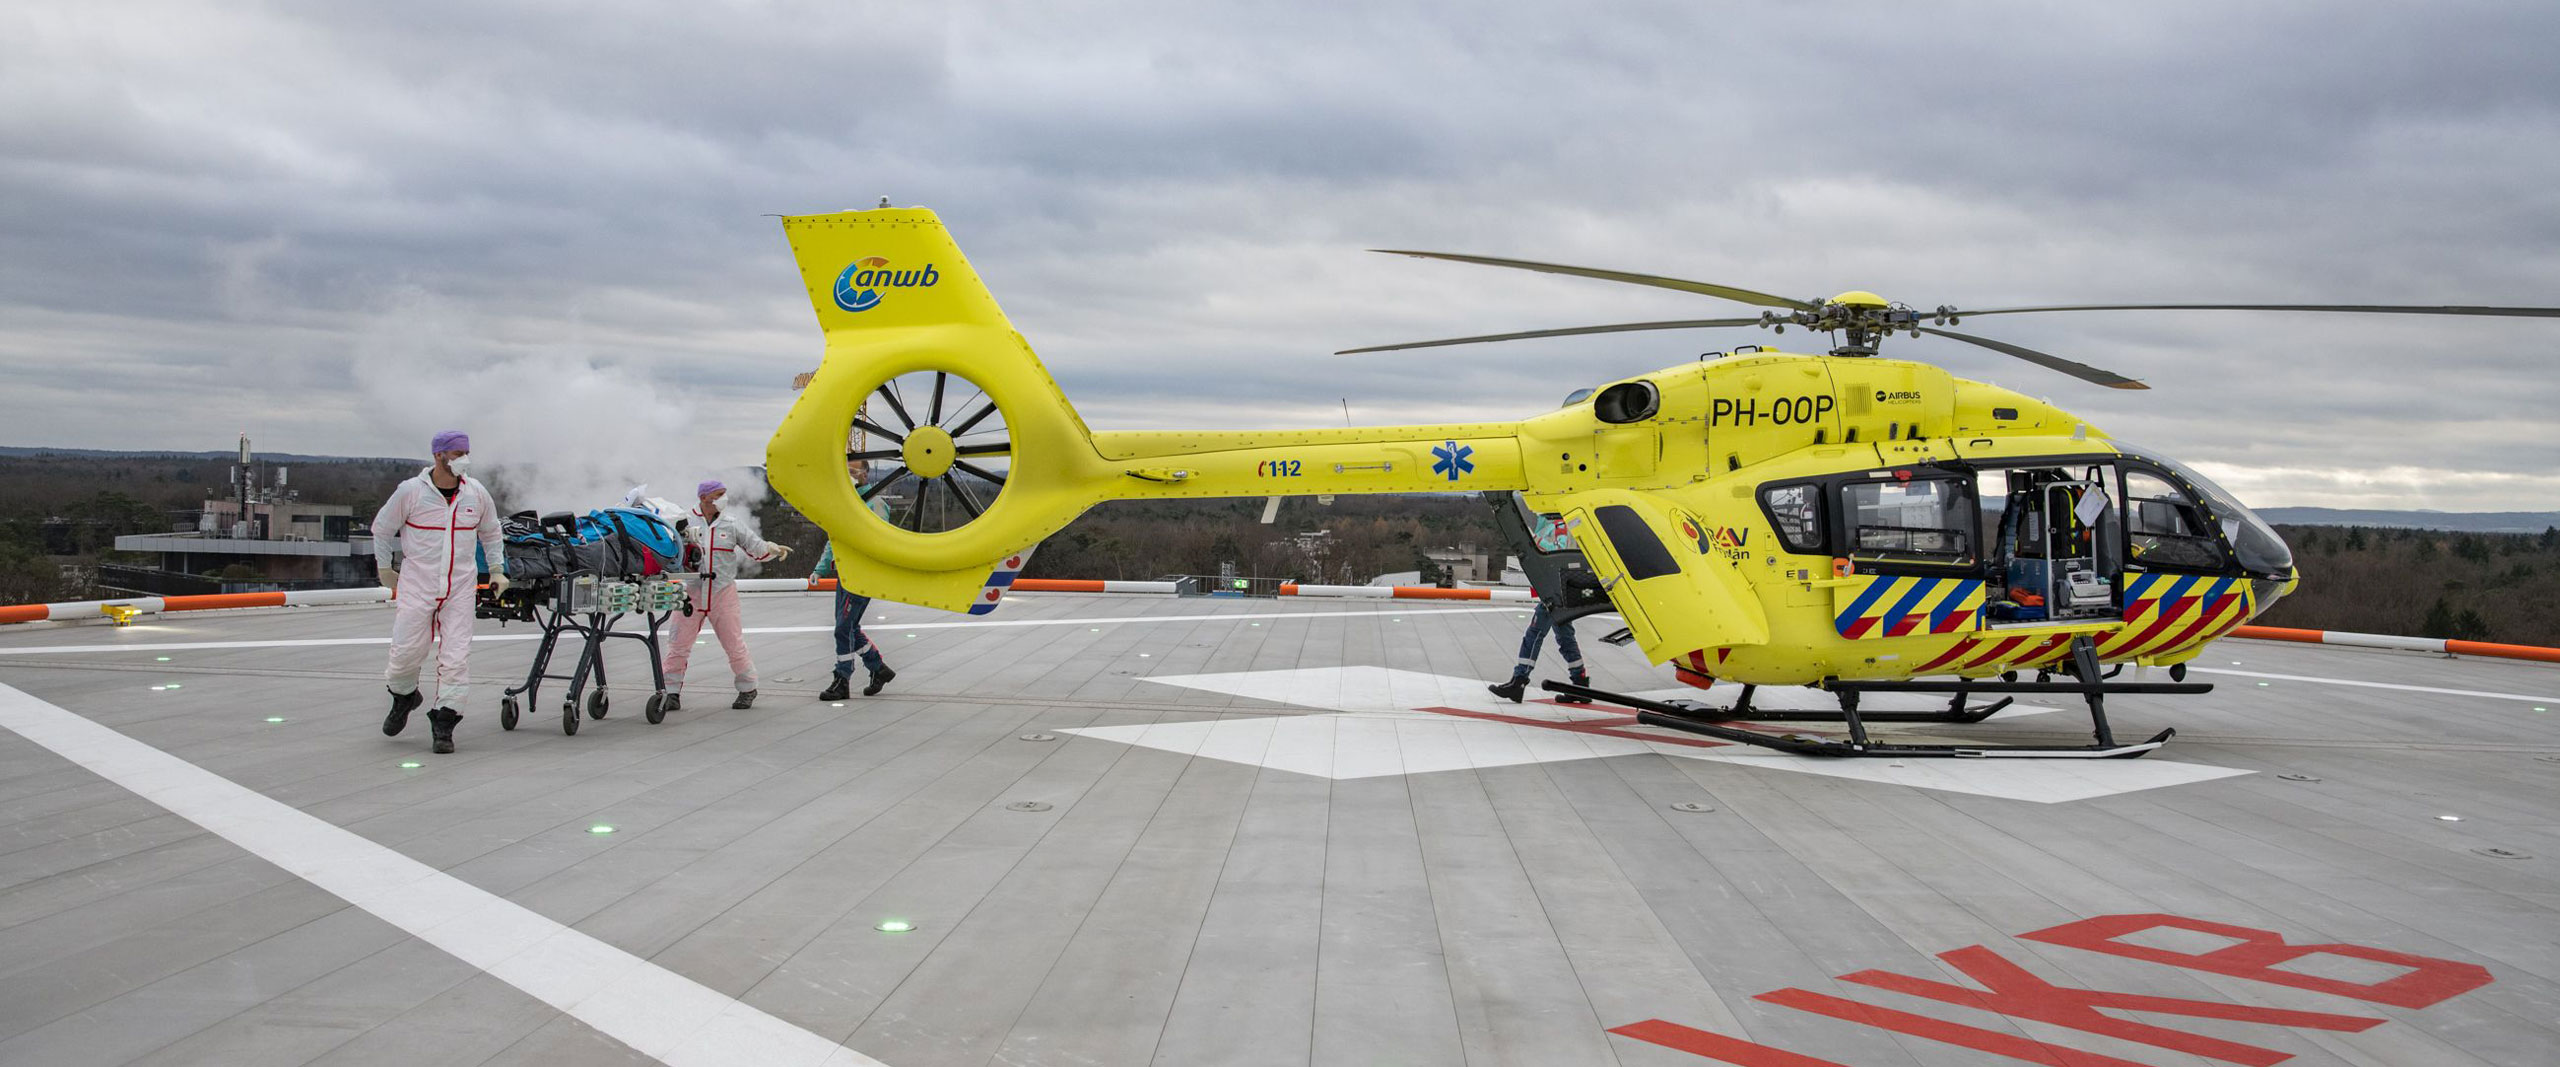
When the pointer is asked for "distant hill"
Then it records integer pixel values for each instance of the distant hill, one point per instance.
(2455, 521)
(221, 454)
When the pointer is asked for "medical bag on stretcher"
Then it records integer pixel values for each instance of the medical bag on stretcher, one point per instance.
(608, 543)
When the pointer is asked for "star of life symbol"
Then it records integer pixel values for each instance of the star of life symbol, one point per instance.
(1453, 459)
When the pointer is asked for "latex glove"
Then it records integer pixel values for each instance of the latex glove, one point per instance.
(780, 552)
(390, 576)
(498, 583)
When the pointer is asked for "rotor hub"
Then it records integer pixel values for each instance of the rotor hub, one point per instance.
(929, 451)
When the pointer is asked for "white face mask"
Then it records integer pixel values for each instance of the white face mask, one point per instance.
(460, 466)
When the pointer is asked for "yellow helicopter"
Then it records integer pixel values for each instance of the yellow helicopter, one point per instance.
(1841, 520)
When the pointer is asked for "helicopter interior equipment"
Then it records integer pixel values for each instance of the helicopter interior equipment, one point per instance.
(1841, 520)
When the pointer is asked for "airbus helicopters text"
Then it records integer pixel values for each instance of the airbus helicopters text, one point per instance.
(1764, 518)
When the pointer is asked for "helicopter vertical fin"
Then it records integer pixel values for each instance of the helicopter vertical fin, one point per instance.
(895, 296)
(1675, 598)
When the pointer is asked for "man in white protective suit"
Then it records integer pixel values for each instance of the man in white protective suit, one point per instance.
(715, 541)
(429, 538)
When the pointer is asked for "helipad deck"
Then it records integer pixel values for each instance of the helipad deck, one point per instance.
(1134, 830)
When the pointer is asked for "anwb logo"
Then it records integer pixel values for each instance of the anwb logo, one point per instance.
(859, 287)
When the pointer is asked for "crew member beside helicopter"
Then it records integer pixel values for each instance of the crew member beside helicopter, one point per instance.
(850, 640)
(714, 539)
(1550, 536)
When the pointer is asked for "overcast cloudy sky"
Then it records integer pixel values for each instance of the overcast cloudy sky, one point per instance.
(341, 226)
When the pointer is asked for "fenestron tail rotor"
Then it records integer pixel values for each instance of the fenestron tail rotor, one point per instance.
(1861, 321)
(945, 446)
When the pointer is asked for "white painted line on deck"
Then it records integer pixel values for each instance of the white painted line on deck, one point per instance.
(2370, 685)
(868, 624)
(655, 1011)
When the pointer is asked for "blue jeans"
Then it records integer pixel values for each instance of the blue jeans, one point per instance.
(1539, 624)
(849, 636)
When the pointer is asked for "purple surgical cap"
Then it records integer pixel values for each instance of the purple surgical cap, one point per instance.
(450, 441)
(708, 488)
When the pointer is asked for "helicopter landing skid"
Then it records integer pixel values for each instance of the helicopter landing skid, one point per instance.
(1718, 724)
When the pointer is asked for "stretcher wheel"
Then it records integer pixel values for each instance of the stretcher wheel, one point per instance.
(508, 712)
(2008, 676)
(596, 704)
(655, 709)
(2177, 672)
(569, 716)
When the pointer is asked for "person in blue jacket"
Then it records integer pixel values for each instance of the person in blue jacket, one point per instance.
(1551, 536)
(850, 640)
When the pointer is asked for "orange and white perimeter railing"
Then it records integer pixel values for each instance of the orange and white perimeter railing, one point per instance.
(123, 609)
(129, 607)
(2445, 645)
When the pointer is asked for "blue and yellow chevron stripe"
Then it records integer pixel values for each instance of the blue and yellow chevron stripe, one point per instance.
(1906, 605)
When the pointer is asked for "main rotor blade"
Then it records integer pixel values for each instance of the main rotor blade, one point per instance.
(2082, 371)
(2378, 309)
(1657, 281)
(1570, 331)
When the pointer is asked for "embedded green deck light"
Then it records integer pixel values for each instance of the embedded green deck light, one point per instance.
(410, 765)
(600, 828)
(162, 659)
(894, 926)
(275, 718)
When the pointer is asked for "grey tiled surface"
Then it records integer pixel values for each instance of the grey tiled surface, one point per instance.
(1178, 910)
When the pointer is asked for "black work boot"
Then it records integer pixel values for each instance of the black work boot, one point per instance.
(745, 700)
(880, 677)
(1580, 679)
(838, 689)
(1510, 690)
(401, 705)
(674, 701)
(441, 721)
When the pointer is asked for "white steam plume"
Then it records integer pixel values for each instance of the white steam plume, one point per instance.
(556, 427)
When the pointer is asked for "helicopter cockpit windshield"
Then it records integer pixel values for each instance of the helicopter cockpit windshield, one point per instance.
(2256, 545)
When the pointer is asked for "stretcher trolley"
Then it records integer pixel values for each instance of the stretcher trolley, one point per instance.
(582, 589)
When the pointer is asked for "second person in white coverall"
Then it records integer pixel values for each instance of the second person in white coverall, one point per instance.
(716, 540)
(428, 539)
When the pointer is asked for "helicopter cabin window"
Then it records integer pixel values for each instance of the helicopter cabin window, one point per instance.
(1924, 520)
(1795, 511)
(1638, 549)
(2165, 526)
